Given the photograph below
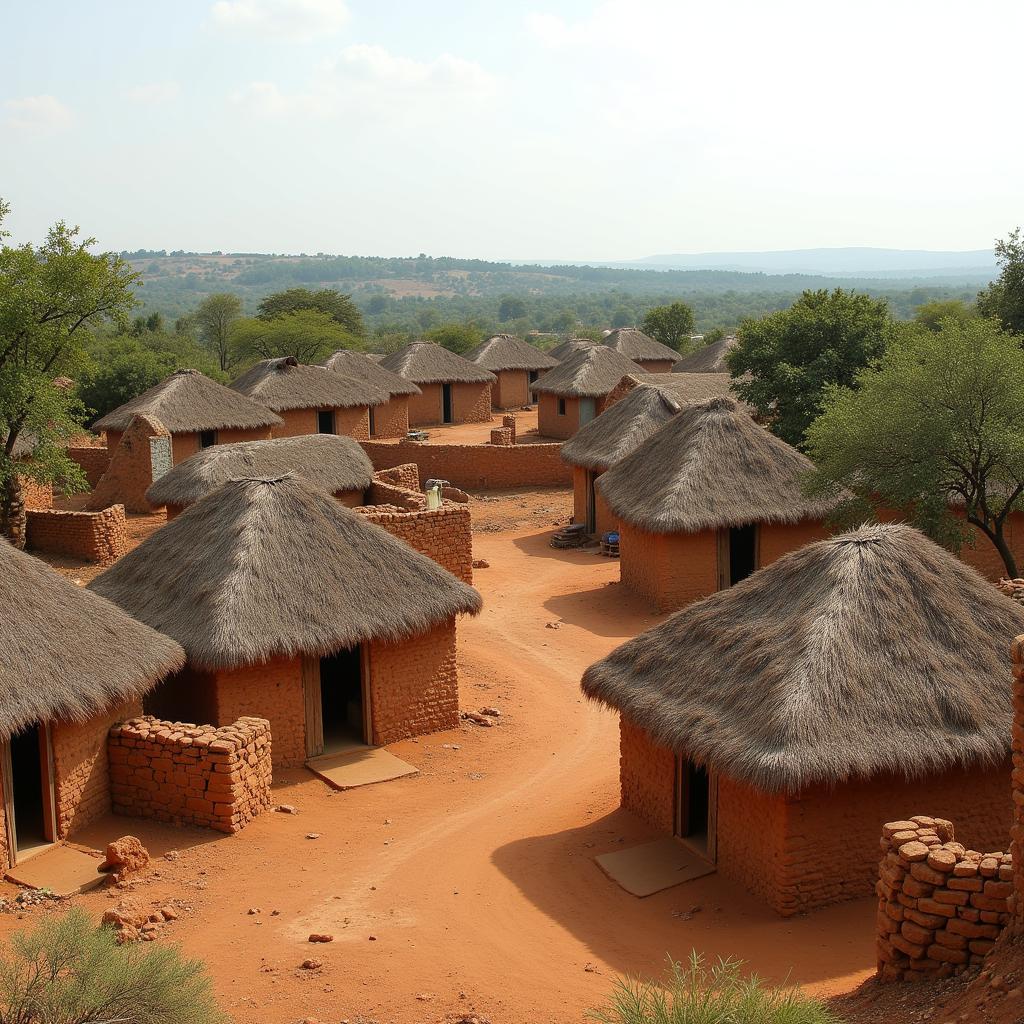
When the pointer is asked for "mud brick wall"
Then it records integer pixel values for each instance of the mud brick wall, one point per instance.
(93, 461)
(382, 492)
(406, 475)
(511, 390)
(509, 420)
(940, 906)
(392, 418)
(352, 422)
(191, 774)
(1017, 831)
(100, 537)
(35, 494)
(130, 472)
(471, 403)
(444, 534)
(647, 773)
(501, 436)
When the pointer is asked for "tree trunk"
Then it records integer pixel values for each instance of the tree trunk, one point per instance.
(1004, 551)
(13, 519)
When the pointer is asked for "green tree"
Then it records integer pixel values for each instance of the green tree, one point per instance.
(215, 318)
(512, 307)
(930, 315)
(457, 337)
(307, 334)
(712, 335)
(1004, 297)
(672, 325)
(936, 430)
(793, 355)
(337, 306)
(51, 296)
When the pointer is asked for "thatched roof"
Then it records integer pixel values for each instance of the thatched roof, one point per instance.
(330, 462)
(589, 373)
(365, 366)
(66, 654)
(187, 402)
(708, 467)
(620, 429)
(267, 567)
(507, 352)
(688, 388)
(709, 359)
(570, 347)
(425, 362)
(636, 345)
(876, 651)
(282, 384)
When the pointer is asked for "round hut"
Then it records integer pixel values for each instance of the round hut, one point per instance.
(683, 388)
(570, 347)
(650, 355)
(391, 418)
(708, 359)
(515, 363)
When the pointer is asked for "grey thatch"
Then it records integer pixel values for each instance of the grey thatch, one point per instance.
(425, 362)
(636, 345)
(620, 429)
(261, 568)
(689, 388)
(873, 652)
(330, 462)
(570, 347)
(711, 466)
(507, 352)
(365, 366)
(709, 359)
(282, 384)
(589, 373)
(188, 402)
(66, 654)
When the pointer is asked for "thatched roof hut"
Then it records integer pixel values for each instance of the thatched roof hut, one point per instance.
(66, 654)
(283, 384)
(589, 373)
(189, 402)
(331, 462)
(711, 466)
(709, 359)
(570, 347)
(683, 388)
(869, 653)
(507, 352)
(425, 362)
(275, 567)
(639, 347)
(365, 366)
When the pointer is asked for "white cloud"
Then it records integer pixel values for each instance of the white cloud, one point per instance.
(155, 92)
(291, 19)
(41, 114)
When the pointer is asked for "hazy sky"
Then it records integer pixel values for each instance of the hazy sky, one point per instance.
(574, 129)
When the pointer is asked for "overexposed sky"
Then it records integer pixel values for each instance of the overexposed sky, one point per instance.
(574, 130)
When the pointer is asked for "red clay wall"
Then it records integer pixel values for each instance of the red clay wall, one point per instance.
(550, 423)
(647, 775)
(184, 445)
(444, 534)
(130, 472)
(100, 537)
(92, 460)
(36, 495)
(425, 408)
(669, 570)
(1017, 832)
(352, 422)
(392, 418)
(777, 539)
(512, 389)
(471, 403)
(405, 475)
(983, 555)
(605, 520)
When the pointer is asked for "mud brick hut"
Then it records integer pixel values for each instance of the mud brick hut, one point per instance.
(293, 608)
(576, 390)
(391, 418)
(197, 411)
(709, 359)
(71, 664)
(570, 347)
(452, 389)
(705, 501)
(333, 464)
(515, 363)
(774, 726)
(311, 399)
(650, 355)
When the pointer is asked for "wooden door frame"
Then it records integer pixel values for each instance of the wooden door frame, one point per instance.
(364, 680)
(314, 708)
(724, 553)
(48, 786)
(681, 810)
(591, 515)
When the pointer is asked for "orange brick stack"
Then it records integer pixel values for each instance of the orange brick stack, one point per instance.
(1017, 832)
(502, 436)
(100, 537)
(444, 534)
(509, 421)
(191, 774)
(406, 475)
(381, 492)
(940, 907)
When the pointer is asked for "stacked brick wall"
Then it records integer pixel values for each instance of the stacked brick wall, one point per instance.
(92, 460)
(1017, 831)
(444, 534)
(392, 418)
(35, 494)
(406, 475)
(191, 774)
(647, 773)
(352, 422)
(501, 436)
(100, 537)
(471, 403)
(509, 420)
(511, 390)
(382, 492)
(940, 906)
(130, 472)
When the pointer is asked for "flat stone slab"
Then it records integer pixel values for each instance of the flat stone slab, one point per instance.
(63, 870)
(359, 766)
(652, 867)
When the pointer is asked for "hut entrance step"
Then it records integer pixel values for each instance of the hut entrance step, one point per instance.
(653, 867)
(572, 536)
(359, 766)
(64, 870)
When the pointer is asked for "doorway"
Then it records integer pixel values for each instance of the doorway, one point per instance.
(738, 554)
(325, 421)
(696, 814)
(591, 502)
(28, 791)
(446, 403)
(343, 707)
(372, 425)
(588, 410)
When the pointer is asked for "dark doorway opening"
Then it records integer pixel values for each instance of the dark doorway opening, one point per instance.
(207, 438)
(341, 697)
(373, 426)
(742, 552)
(533, 375)
(591, 502)
(325, 421)
(693, 803)
(30, 785)
(446, 403)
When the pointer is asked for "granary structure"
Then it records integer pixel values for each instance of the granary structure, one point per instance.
(334, 464)
(391, 418)
(650, 355)
(311, 399)
(515, 363)
(708, 359)
(197, 411)
(774, 726)
(293, 608)
(71, 664)
(570, 347)
(452, 389)
(576, 390)
(706, 500)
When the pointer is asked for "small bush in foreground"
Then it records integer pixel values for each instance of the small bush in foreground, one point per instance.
(67, 971)
(696, 994)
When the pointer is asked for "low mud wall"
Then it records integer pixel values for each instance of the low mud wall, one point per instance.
(93, 461)
(406, 475)
(100, 537)
(35, 494)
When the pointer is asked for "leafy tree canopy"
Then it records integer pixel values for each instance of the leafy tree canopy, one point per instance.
(215, 318)
(672, 325)
(308, 334)
(932, 314)
(335, 304)
(457, 337)
(512, 307)
(1004, 297)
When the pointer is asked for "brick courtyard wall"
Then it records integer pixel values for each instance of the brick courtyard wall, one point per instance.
(425, 409)
(647, 774)
(471, 403)
(191, 774)
(406, 475)
(352, 422)
(414, 685)
(130, 471)
(1017, 832)
(93, 461)
(100, 537)
(383, 492)
(940, 906)
(511, 390)
(392, 418)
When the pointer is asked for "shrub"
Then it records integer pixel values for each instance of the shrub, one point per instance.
(695, 994)
(68, 971)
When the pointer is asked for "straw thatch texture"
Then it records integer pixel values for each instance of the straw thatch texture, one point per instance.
(689, 388)
(570, 347)
(507, 352)
(424, 362)
(711, 466)
(876, 651)
(282, 384)
(636, 345)
(330, 462)
(261, 568)
(709, 359)
(188, 402)
(66, 654)
(620, 429)
(362, 366)
(589, 373)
